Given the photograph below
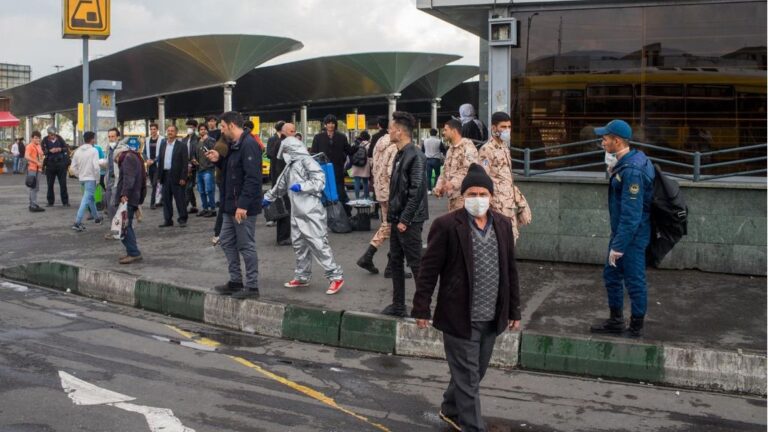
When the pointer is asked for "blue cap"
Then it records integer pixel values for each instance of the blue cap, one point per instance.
(133, 143)
(620, 128)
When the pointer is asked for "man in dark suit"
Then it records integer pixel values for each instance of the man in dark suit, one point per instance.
(173, 170)
(472, 252)
(336, 146)
(191, 141)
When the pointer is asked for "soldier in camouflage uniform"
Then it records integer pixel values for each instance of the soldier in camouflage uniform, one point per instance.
(495, 157)
(381, 169)
(461, 154)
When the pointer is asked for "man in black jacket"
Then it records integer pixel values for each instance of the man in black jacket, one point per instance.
(241, 202)
(191, 142)
(472, 252)
(56, 164)
(408, 207)
(173, 171)
(336, 147)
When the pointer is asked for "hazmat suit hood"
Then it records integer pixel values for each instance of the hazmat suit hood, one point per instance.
(466, 113)
(292, 149)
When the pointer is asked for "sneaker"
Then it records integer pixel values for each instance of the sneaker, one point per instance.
(129, 259)
(202, 213)
(165, 225)
(246, 293)
(335, 286)
(296, 283)
(97, 221)
(453, 421)
(211, 213)
(78, 227)
(36, 209)
(228, 288)
(271, 223)
(395, 310)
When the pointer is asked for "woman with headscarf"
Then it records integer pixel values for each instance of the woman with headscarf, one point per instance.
(303, 180)
(471, 127)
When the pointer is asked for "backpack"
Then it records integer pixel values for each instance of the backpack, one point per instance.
(669, 218)
(360, 156)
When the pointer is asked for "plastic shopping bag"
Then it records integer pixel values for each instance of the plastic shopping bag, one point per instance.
(159, 193)
(120, 222)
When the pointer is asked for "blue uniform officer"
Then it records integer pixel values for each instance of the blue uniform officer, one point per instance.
(629, 203)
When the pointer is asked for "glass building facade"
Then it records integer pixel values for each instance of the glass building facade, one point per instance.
(12, 75)
(686, 76)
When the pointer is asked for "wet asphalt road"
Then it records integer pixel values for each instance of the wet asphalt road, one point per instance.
(138, 354)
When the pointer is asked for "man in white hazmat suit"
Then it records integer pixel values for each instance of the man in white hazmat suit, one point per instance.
(303, 180)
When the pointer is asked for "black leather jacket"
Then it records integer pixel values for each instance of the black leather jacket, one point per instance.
(408, 187)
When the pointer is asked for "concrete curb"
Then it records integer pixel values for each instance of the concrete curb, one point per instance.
(691, 367)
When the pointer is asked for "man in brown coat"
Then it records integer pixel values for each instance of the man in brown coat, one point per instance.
(472, 252)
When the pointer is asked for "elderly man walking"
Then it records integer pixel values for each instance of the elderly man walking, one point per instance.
(472, 253)
(131, 190)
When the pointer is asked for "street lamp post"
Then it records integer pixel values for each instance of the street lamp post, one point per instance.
(528, 40)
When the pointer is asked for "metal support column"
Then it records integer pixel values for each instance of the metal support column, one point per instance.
(392, 104)
(86, 87)
(27, 129)
(161, 114)
(304, 125)
(433, 117)
(228, 86)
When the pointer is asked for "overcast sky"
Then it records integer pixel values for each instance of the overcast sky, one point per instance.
(31, 30)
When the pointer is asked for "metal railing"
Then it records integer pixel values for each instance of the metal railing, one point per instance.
(695, 166)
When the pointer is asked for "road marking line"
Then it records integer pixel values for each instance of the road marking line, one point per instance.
(314, 394)
(85, 393)
(201, 340)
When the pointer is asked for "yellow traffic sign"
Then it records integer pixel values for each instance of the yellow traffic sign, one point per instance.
(88, 18)
(256, 125)
(351, 122)
(361, 121)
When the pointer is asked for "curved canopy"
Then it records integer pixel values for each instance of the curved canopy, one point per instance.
(335, 78)
(154, 69)
(439, 82)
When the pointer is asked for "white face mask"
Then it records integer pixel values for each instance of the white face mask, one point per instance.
(477, 206)
(506, 136)
(190, 131)
(611, 160)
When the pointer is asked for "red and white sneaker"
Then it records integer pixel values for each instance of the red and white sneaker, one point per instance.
(335, 286)
(295, 283)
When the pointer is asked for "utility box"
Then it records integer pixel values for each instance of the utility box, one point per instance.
(503, 37)
(103, 108)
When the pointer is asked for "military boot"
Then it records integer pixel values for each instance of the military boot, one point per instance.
(366, 261)
(635, 329)
(614, 324)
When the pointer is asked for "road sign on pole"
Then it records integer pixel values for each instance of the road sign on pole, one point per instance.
(85, 18)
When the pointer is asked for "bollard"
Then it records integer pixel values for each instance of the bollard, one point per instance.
(696, 166)
(527, 162)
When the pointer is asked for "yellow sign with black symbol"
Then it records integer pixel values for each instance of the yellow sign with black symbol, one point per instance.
(85, 18)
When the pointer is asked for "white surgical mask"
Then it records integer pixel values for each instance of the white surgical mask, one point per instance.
(477, 206)
(190, 131)
(611, 160)
(506, 136)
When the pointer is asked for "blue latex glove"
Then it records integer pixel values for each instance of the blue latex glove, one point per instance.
(296, 187)
(265, 203)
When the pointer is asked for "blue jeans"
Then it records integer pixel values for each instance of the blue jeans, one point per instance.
(131, 248)
(630, 273)
(89, 188)
(206, 189)
(364, 182)
(17, 164)
(433, 166)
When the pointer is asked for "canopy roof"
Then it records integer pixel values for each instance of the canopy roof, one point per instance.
(154, 69)
(439, 82)
(343, 77)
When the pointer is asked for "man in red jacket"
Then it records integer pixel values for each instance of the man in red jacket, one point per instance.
(472, 252)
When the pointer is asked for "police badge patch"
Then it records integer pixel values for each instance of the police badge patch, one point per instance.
(634, 188)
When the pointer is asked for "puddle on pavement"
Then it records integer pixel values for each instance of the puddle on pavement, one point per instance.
(188, 344)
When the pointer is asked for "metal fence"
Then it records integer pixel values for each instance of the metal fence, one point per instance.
(687, 165)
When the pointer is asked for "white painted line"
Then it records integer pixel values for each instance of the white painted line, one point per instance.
(159, 419)
(84, 393)
(13, 286)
